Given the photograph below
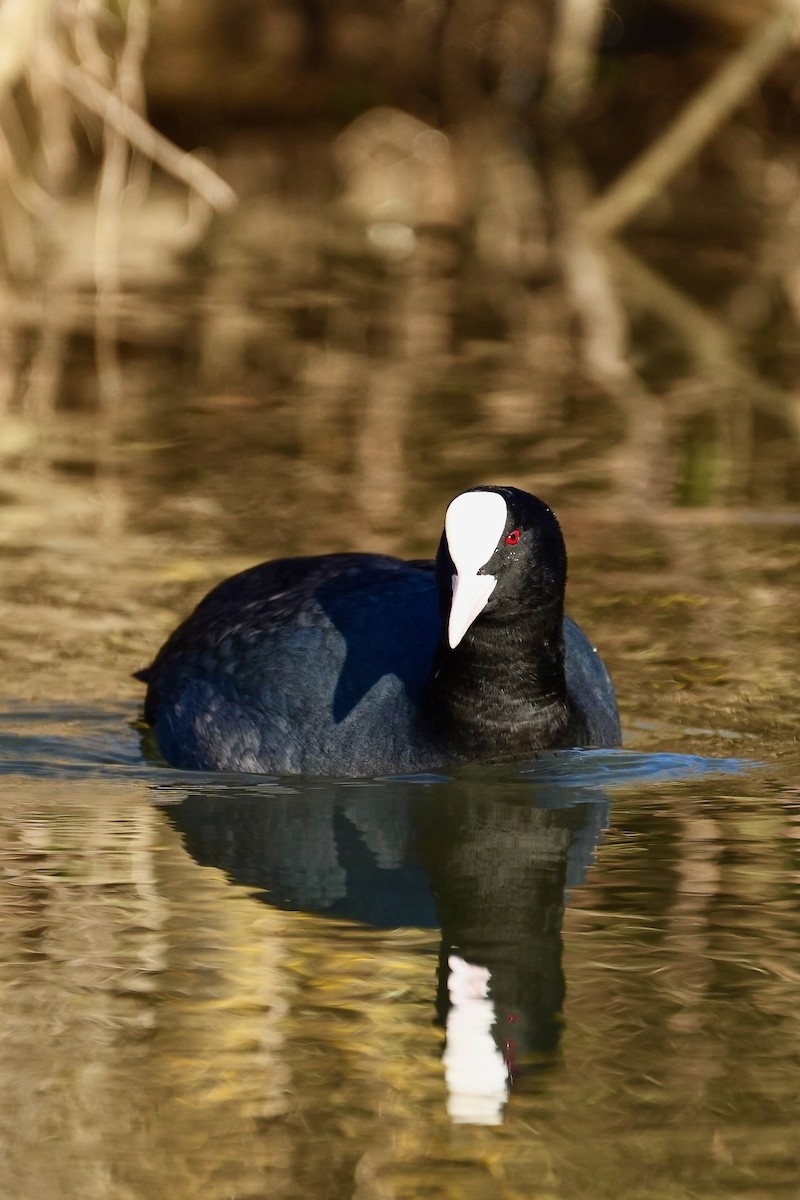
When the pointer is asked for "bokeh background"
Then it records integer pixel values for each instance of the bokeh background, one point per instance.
(283, 277)
(280, 277)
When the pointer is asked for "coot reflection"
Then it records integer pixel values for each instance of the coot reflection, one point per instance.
(487, 857)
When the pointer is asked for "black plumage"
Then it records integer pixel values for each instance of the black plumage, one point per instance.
(341, 664)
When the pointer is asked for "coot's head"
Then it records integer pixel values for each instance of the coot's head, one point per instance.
(501, 555)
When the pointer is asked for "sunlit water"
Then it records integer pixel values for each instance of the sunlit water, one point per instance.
(574, 976)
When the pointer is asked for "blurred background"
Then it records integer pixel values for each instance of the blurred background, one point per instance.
(281, 277)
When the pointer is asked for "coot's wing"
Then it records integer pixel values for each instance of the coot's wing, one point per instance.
(590, 688)
(300, 665)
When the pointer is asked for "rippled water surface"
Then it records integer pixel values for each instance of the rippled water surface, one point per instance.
(566, 979)
(570, 977)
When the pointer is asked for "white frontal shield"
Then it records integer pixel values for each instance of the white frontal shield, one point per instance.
(473, 526)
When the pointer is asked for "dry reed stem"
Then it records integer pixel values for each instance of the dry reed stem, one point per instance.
(701, 117)
(113, 111)
(55, 61)
(22, 24)
(572, 57)
(114, 174)
(705, 338)
(586, 276)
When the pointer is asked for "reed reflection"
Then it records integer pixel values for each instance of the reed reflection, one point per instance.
(488, 857)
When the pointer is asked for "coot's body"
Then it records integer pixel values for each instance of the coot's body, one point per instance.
(360, 664)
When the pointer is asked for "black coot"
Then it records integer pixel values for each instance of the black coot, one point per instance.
(359, 664)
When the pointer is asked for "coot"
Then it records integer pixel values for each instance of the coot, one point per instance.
(361, 664)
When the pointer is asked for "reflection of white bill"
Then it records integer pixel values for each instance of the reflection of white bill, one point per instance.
(475, 1071)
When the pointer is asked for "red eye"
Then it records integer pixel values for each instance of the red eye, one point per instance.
(512, 538)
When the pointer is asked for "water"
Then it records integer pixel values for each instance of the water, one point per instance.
(573, 976)
(567, 978)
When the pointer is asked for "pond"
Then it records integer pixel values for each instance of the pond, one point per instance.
(570, 977)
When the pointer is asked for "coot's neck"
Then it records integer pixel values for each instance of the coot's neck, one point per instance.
(502, 690)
